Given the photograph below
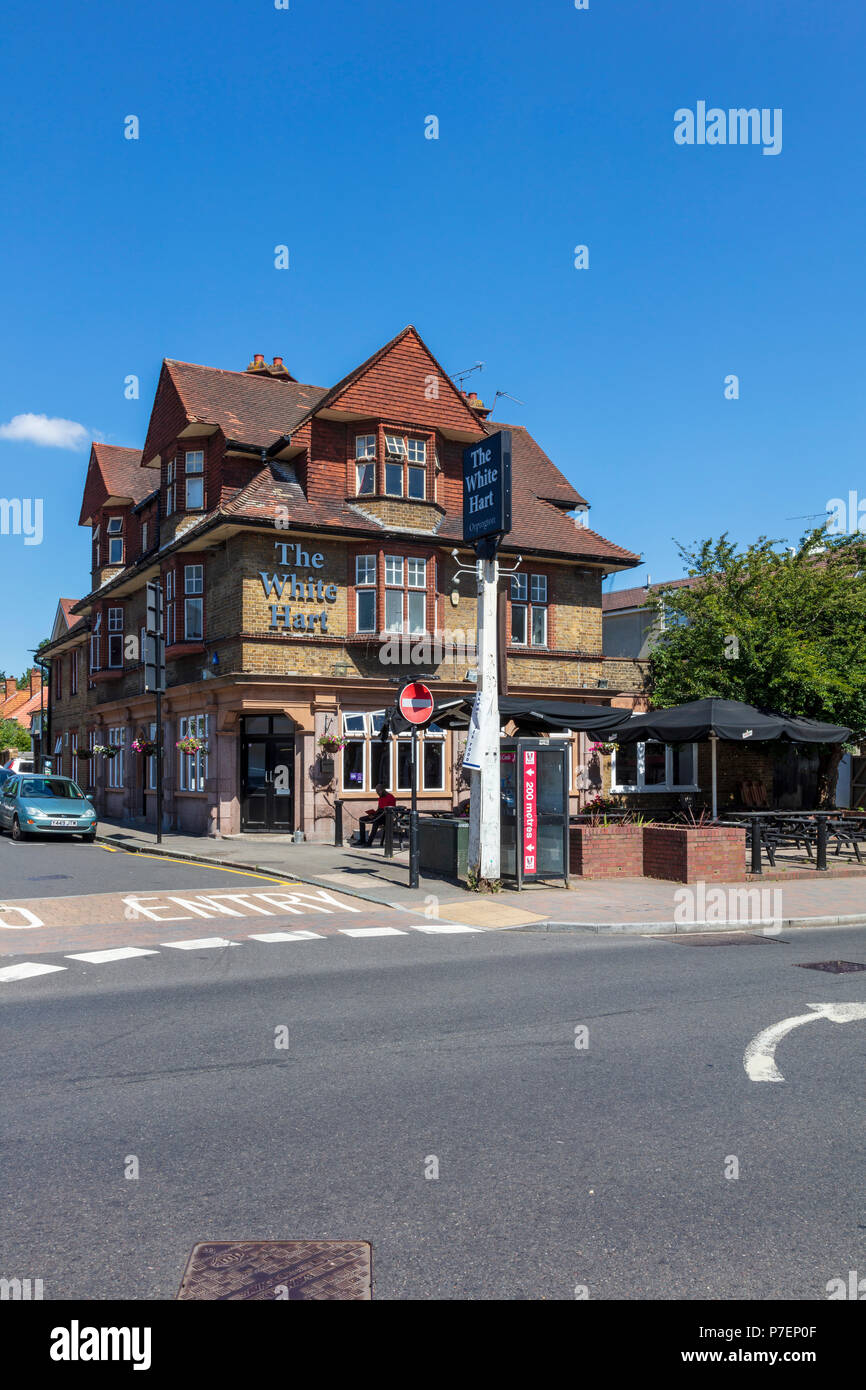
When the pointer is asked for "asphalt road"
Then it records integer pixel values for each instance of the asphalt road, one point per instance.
(558, 1166)
(43, 868)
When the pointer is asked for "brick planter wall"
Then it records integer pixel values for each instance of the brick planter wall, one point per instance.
(606, 851)
(689, 854)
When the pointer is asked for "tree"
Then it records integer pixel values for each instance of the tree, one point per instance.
(783, 629)
(12, 735)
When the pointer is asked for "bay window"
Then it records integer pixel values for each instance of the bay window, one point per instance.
(170, 484)
(95, 636)
(194, 479)
(367, 761)
(193, 608)
(115, 637)
(365, 463)
(365, 593)
(650, 767)
(115, 540)
(405, 466)
(170, 625)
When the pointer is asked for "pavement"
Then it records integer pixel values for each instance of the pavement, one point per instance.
(612, 905)
(504, 1115)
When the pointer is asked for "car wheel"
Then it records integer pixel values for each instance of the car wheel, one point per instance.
(17, 832)
(89, 837)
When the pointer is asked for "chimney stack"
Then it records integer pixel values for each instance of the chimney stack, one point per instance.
(35, 680)
(11, 687)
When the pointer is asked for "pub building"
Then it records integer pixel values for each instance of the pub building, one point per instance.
(305, 541)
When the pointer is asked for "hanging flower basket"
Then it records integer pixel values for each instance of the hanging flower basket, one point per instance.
(147, 746)
(190, 744)
(107, 750)
(602, 747)
(85, 753)
(331, 743)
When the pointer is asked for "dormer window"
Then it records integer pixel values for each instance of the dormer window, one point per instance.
(365, 467)
(115, 540)
(194, 468)
(405, 466)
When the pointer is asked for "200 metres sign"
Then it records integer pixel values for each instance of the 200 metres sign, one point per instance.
(487, 487)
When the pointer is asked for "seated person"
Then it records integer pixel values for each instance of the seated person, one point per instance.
(377, 817)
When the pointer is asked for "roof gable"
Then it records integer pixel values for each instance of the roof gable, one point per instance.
(112, 471)
(404, 381)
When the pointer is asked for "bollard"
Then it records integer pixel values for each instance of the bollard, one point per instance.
(756, 846)
(338, 820)
(388, 839)
(822, 843)
(414, 850)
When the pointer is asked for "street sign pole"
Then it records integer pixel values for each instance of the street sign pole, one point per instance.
(154, 680)
(484, 789)
(414, 852)
(486, 519)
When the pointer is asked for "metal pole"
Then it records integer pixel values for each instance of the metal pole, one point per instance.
(484, 817)
(388, 836)
(756, 845)
(159, 755)
(714, 744)
(413, 815)
(822, 843)
(338, 820)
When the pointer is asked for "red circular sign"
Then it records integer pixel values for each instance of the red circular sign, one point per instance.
(416, 703)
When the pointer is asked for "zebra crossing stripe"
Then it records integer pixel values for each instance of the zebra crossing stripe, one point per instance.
(26, 969)
(203, 943)
(116, 953)
(287, 936)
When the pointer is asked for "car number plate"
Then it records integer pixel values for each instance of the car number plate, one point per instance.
(64, 822)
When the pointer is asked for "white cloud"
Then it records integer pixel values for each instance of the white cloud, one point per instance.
(47, 430)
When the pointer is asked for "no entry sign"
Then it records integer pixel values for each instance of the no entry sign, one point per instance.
(415, 703)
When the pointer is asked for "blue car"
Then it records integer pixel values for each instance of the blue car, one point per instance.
(34, 805)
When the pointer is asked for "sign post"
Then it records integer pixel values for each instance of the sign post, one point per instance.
(415, 704)
(154, 679)
(486, 519)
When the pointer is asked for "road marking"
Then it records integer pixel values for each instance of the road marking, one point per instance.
(116, 953)
(443, 927)
(288, 936)
(221, 868)
(371, 931)
(26, 969)
(203, 943)
(759, 1057)
(25, 912)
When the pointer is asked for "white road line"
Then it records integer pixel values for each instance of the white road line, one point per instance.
(442, 927)
(202, 943)
(371, 931)
(26, 969)
(287, 936)
(759, 1058)
(116, 953)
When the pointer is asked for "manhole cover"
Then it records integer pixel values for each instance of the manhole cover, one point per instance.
(264, 1270)
(720, 938)
(834, 967)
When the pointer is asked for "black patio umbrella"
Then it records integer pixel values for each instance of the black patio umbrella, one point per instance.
(536, 715)
(731, 720)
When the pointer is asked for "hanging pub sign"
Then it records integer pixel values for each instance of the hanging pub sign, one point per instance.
(487, 487)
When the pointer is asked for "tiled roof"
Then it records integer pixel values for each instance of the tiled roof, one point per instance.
(67, 605)
(252, 409)
(636, 598)
(113, 472)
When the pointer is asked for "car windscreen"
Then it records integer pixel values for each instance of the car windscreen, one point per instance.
(50, 786)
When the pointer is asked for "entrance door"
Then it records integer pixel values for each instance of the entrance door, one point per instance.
(267, 773)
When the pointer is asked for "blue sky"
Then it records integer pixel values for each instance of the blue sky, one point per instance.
(305, 126)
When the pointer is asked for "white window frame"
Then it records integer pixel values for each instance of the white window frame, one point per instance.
(416, 451)
(115, 638)
(116, 739)
(192, 767)
(170, 475)
(365, 447)
(395, 447)
(529, 595)
(361, 472)
(144, 538)
(73, 674)
(667, 786)
(95, 635)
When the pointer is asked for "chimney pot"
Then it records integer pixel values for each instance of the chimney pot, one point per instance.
(278, 361)
(258, 358)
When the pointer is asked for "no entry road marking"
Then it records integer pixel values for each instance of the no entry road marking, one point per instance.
(759, 1058)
